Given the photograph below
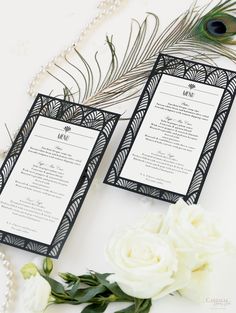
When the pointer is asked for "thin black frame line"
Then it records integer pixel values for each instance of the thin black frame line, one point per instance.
(69, 132)
(64, 143)
(181, 86)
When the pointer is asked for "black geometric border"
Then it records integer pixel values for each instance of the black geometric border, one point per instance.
(53, 108)
(192, 71)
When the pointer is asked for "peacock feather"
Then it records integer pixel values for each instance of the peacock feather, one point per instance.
(200, 33)
(218, 25)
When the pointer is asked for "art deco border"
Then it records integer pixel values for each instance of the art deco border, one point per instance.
(102, 121)
(189, 70)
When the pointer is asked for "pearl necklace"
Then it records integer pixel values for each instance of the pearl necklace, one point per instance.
(2, 154)
(106, 7)
(8, 283)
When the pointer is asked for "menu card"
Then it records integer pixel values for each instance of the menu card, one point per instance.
(47, 173)
(173, 134)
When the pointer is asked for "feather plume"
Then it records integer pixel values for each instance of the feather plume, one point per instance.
(199, 33)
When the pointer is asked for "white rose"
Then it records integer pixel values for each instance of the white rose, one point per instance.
(193, 230)
(194, 233)
(198, 287)
(36, 294)
(152, 222)
(145, 264)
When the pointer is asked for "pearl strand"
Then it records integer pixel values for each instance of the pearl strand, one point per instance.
(107, 7)
(2, 153)
(8, 283)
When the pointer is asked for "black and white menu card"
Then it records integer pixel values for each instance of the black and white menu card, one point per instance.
(48, 171)
(172, 136)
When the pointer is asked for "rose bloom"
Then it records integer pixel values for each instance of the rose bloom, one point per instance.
(152, 223)
(199, 285)
(145, 264)
(194, 232)
(166, 253)
(36, 294)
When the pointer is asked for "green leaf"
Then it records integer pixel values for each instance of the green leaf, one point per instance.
(86, 295)
(113, 287)
(57, 287)
(95, 308)
(72, 292)
(130, 309)
(69, 278)
(140, 306)
(90, 280)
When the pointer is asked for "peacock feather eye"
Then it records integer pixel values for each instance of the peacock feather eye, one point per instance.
(216, 27)
(220, 27)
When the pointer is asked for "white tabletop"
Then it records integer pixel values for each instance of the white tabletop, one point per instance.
(32, 33)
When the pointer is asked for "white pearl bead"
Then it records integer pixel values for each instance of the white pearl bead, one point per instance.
(96, 19)
(6, 263)
(8, 284)
(6, 294)
(9, 273)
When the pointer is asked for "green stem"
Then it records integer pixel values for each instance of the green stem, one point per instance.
(63, 298)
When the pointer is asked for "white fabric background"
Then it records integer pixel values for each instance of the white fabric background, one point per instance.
(32, 32)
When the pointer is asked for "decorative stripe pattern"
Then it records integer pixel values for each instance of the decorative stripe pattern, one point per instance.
(191, 71)
(102, 121)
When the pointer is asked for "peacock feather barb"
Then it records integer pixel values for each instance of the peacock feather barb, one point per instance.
(200, 33)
